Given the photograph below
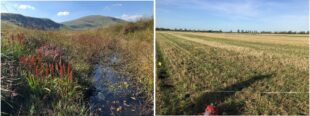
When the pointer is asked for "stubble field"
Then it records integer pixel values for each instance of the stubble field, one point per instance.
(239, 73)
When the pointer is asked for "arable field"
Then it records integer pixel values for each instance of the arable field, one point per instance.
(238, 73)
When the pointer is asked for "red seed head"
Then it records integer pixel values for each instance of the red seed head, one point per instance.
(32, 60)
(52, 68)
(57, 67)
(21, 60)
(39, 58)
(41, 71)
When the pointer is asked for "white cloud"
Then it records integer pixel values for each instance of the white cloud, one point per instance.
(107, 8)
(63, 13)
(117, 4)
(112, 6)
(131, 17)
(25, 7)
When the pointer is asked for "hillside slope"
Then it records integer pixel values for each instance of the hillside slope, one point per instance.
(92, 21)
(30, 22)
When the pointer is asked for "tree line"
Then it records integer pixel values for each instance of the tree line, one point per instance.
(237, 31)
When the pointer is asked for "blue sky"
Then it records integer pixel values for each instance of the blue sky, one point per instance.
(60, 11)
(269, 15)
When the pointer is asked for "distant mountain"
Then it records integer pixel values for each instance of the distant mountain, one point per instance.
(30, 22)
(92, 21)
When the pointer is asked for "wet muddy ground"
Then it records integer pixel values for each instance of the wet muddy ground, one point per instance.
(113, 93)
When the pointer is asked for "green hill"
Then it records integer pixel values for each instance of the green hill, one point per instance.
(92, 21)
(30, 22)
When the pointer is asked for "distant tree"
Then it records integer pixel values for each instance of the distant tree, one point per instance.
(289, 32)
(163, 29)
(266, 32)
(302, 32)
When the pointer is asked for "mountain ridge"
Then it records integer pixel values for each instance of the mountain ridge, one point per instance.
(30, 22)
(92, 21)
(85, 22)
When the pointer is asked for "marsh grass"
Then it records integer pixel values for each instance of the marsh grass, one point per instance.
(55, 92)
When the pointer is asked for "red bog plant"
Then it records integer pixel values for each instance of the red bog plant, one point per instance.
(57, 67)
(51, 68)
(32, 61)
(69, 72)
(22, 60)
(40, 67)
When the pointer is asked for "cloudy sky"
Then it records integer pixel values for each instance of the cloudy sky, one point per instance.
(60, 11)
(270, 15)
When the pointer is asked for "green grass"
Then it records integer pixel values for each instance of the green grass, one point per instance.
(197, 71)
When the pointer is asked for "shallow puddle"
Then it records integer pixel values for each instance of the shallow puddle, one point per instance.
(113, 94)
